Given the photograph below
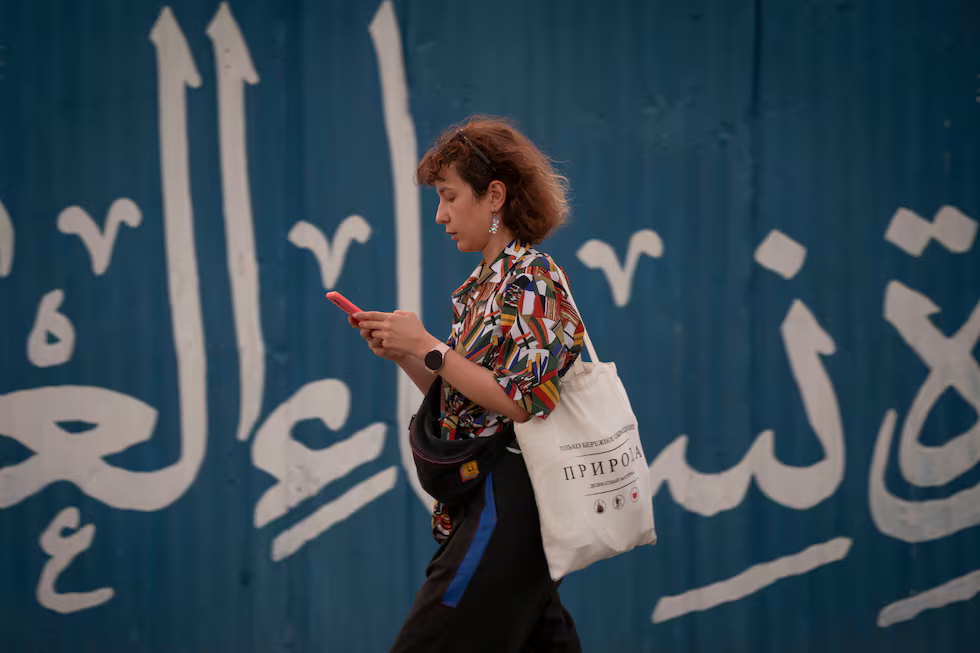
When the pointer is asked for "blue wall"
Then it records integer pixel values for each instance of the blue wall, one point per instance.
(197, 454)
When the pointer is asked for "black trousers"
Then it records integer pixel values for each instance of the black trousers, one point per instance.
(487, 588)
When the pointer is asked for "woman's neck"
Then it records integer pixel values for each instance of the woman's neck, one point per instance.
(496, 244)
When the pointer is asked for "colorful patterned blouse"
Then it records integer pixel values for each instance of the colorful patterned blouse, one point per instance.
(512, 317)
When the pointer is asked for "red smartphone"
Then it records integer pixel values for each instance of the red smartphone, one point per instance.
(342, 302)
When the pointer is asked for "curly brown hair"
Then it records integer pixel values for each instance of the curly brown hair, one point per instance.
(537, 201)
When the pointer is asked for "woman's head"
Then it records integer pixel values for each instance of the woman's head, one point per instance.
(485, 168)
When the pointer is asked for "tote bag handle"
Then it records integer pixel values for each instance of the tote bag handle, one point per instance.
(588, 341)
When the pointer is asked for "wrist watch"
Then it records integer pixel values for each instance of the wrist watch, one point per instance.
(436, 356)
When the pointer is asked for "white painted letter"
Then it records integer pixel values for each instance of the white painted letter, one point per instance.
(49, 320)
(950, 228)
(951, 364)
(63, 550)
(752, 580)
(6, 242)
(34, 417)
(75, 220)
(780, 254)
(331, 260)
(959, 589)
(799, 488)
(403, 149)
(293, 538)
(176, 71)
(301, 472)
(915, 521)
(596, 254)
(234, 67)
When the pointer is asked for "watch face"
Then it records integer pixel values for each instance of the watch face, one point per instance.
(433, 360)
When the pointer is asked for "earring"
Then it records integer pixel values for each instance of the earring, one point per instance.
(494, 223)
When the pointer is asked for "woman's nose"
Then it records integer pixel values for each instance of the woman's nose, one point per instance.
(442, 217)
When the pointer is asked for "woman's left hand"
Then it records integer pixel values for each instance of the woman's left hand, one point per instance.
(400, 332)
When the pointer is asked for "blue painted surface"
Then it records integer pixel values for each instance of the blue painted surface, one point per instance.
(710, 123)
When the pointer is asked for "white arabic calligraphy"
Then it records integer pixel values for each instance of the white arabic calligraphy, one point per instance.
(6, 242)
(34, 417)
(403, 151)
(234, 68)
(598, 255)
(910, 233)
(951, 365)
(63, 550)
(799, 488)
(50, 321)
(76, 221)
(780, 254)
(794, 487)
(300, 472)
(304, 235)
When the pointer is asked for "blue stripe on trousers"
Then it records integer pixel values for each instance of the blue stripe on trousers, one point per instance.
(466, 569)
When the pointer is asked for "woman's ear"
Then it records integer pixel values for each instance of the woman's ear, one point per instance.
(498, 195)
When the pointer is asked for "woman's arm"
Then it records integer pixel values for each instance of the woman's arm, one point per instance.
(416, 370)
(401, 337)
(478, 384)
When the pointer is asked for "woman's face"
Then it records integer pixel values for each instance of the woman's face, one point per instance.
(465, 217)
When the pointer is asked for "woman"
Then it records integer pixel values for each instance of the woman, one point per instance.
(514, 334)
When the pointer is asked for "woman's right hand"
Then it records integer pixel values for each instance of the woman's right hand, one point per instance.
(376, 346)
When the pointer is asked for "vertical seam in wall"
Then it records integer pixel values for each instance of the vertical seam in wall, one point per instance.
(754, 193)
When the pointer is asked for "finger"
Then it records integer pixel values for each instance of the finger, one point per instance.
(373, 324)
(405, 313)
(370, 315)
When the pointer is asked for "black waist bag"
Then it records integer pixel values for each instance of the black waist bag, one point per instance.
(451, 470)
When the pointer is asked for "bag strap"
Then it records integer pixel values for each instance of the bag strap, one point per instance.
(594, 357)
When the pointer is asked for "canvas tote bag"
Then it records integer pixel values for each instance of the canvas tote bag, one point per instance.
(588, 470)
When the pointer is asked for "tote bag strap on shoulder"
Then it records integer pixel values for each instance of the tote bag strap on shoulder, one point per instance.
(588, 341)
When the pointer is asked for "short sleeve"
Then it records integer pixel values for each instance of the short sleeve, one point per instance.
(542, 337)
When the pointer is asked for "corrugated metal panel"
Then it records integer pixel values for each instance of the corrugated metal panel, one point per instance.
(816, 127)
